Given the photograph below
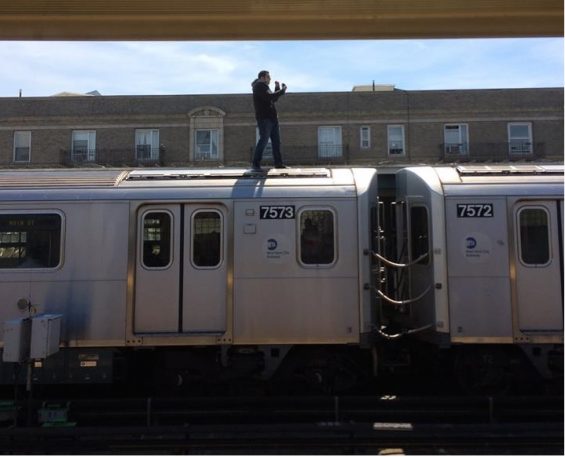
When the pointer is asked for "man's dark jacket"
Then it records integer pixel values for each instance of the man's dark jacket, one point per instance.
(264, 100)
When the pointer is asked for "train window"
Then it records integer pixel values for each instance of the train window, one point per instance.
(30, 240)
(534, 236)
(206, 239)
(317, 238)
(156, 239)
(419, 233)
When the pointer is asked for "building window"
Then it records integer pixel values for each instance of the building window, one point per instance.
(206, 239)
(206, 133)
(395, 135)
(365, 136)
(329, 142)
(456, 139)
(534, 236)
(147, 144)
(22, 146)
(317, 237)
(268, 151)
(84, 146)
(157, 239)
(206, 144)
(30, 240)
(520, 138)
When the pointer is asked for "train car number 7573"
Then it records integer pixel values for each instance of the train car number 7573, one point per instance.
(475, 210)
(277, 212)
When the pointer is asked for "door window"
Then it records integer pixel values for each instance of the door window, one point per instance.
(157, 239)
(206, 239)
(534, 236)
(419, 233)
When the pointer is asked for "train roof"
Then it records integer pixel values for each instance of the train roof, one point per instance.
(240, 183)
(508, 179)
(164, 177)
(175, 182)
(235, 176)
(492, 174)
(173, 177)
(24, 179)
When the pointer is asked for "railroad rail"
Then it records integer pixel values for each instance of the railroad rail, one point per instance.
(327, 438)
(265, 425)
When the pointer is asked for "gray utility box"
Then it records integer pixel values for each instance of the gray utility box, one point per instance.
(45, 335)
(17, 334)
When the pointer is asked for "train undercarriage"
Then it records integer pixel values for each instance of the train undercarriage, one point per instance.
(411, 367)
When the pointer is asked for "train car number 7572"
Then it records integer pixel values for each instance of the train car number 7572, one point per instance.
(277, 212)
(475, 210)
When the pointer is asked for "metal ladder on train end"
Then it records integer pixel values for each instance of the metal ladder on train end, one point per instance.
(385, 270)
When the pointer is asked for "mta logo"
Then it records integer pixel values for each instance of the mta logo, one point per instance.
(471, 242)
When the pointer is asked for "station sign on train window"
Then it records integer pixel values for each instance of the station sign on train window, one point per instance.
(30, 240)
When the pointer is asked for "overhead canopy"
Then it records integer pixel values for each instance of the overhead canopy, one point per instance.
(276, 19)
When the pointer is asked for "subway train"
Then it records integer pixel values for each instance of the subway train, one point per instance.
(316, 278)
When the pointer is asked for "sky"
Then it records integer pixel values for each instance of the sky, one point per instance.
(41, 68)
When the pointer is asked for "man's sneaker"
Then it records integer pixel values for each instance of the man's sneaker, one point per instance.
(280, 166)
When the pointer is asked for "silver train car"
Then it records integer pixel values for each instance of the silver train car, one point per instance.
(184, 276)
(478, 267)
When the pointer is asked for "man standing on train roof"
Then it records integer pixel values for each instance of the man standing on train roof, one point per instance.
(267, 120)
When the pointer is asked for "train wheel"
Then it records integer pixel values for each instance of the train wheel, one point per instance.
(484, 370)
(317, 371)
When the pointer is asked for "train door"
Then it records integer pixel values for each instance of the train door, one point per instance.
(420, 270)
(181, 270)
(158, 268)
(205, 269)
(539, 265)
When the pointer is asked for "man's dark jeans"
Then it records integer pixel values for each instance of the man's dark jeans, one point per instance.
(268, 128)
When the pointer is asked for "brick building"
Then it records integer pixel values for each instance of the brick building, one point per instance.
(364, 126)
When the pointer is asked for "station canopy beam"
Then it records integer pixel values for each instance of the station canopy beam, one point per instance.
(277, 19)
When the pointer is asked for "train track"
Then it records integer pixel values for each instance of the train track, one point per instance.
(331, 425)
(330, 438)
